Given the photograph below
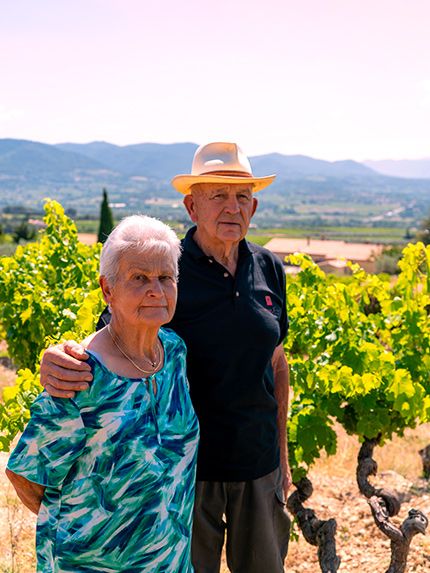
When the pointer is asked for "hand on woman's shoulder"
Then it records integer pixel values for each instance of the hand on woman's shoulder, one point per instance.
(87, 341)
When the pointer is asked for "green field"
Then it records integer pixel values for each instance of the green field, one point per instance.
(386, 235)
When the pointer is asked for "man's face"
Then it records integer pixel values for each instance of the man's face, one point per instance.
(222, 211)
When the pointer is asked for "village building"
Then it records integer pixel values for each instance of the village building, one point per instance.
(330, 256)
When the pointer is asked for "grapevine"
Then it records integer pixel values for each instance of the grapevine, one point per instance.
(360, 354)
(48, 292)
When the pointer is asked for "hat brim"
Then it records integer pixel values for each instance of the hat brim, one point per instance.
(183, 183)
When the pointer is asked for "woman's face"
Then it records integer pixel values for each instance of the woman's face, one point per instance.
(145, 289)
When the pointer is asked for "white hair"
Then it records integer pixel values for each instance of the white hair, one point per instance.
(147, 234)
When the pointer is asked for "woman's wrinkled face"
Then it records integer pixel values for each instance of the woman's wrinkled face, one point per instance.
(145, 290)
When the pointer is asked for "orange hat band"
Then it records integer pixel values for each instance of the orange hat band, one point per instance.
(228, 174)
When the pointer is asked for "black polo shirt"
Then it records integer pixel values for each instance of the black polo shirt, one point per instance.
(231, 326)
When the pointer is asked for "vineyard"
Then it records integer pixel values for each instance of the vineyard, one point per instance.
(360, 356)
(358, 347)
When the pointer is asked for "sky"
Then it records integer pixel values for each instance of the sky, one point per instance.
(332, 79)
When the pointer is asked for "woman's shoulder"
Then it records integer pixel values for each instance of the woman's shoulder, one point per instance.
(95, 347)
(99, 387)
(171, 340)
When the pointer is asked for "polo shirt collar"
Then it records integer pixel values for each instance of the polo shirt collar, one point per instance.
(192, 248)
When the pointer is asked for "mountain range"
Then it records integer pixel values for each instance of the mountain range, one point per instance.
(30, 159)
(163, 161)
(21, 158)
(138, 175)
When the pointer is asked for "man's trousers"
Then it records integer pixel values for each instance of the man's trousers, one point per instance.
(252, 516)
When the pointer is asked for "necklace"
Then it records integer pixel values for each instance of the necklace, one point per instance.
(155, 365)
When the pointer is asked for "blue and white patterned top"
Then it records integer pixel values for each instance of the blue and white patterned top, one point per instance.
(118, 464)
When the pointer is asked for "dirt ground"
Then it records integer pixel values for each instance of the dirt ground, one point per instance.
(87, 238)
(360, 545)
(7, 373)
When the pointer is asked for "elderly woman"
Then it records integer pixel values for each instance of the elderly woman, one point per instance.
(111, 472)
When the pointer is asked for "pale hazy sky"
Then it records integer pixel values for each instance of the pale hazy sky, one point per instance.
(333, 79)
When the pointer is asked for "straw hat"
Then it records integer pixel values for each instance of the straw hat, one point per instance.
(220, 162)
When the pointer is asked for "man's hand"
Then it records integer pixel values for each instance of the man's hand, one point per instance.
(63, 370)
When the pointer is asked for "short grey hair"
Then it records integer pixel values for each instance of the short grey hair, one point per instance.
(147, 234)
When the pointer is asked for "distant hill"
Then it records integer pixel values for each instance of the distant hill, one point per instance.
(293, 166)
(163, 161)
(153, 160)
(30, 159)
(409, 168)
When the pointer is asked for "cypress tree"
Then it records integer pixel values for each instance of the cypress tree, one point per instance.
(106, 219)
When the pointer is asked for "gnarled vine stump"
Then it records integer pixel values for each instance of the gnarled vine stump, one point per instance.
(385, 504)
(425, 456)
(366, 467)
(317, 532)
(400, 537)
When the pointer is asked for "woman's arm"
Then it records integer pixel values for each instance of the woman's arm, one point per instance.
(29, 493)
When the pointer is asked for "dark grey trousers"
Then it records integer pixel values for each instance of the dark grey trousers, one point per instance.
(253, 516)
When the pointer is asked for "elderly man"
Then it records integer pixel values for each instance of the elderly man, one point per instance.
(231, 314)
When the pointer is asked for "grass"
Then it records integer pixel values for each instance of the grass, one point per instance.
(17, 553)
(87, 225)
(386, 235)
(354, 209)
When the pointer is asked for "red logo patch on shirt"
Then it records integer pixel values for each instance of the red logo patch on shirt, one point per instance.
(269, 301)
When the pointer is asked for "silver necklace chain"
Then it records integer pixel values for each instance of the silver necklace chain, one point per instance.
(155, 365)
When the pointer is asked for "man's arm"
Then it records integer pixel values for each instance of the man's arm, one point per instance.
(281, 377)
(29, 493)
(63, 370)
